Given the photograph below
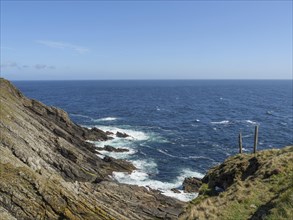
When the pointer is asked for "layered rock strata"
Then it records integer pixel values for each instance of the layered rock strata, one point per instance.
(49, 171)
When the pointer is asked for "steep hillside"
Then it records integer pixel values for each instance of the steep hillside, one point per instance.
(49, 171)
(247, 186)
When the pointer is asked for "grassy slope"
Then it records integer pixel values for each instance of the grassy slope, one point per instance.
(261, 188)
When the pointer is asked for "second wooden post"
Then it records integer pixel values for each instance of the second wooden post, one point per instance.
(240, 143)
(255, 138)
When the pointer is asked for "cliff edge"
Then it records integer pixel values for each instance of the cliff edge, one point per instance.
(247, 186)
(49, 171)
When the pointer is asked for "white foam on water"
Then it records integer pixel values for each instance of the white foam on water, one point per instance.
(251, 122)
(115, 142)
(245, 149)
(142, 177)
(189, 173)
(147, 166)
(248, 135)
(86, 126)
(146, 169)
(79, 115)
(164, 152)
(105, 119)
(185, 197)
(126, 143)
(118, 155)
(220, 122)
(134, 134)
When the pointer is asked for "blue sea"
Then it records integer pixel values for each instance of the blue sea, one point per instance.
(177, 128)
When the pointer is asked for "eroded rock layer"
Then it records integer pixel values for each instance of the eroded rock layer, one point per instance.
(49, 171)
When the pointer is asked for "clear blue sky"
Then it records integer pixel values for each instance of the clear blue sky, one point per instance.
(146, 40)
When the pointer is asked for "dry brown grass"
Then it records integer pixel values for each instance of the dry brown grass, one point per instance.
(267, 193)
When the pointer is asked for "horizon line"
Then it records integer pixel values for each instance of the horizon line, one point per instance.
(215, 79)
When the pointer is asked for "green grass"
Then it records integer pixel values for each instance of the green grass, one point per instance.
(266, 193)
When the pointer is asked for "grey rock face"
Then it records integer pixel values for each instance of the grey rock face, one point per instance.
(49, 171)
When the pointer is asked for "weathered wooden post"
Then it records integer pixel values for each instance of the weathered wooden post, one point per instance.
(240, 143)
(255, 138)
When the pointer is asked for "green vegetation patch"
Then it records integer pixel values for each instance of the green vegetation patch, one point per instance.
(262, 188)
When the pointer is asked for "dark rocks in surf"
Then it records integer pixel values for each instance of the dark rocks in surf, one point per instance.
(50, 171)
(191, 184)
(112, 149)
(122, 135)
(175, 190)
(95, 134)
(109, 133)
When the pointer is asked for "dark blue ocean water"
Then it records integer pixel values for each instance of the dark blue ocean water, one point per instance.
(177, 125)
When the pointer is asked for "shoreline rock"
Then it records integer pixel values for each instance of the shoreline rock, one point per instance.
(175, 190)
(122, 135)
(191, 184)
(50, 171)
(112, 149)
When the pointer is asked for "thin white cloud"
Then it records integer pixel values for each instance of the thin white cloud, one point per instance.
(44, 66)
(63, 45)
(13, 65)
(10, 65)
(40, 66)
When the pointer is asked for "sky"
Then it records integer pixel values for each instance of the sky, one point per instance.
(72, 40)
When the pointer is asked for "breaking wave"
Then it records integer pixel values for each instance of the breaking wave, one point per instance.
(251, 122)
(146, 168)
(105, 119)
(143, 177)
(220, 122)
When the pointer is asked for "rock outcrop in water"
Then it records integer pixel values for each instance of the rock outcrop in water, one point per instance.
(121, 135)
(112, 149)
(49, 171)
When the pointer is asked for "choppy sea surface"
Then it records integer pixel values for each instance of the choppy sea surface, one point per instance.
(177, 128)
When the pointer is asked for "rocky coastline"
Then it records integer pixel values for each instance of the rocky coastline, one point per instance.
(49, 169)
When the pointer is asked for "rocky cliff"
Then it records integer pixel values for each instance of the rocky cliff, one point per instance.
(49, 171)
(247, 186)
